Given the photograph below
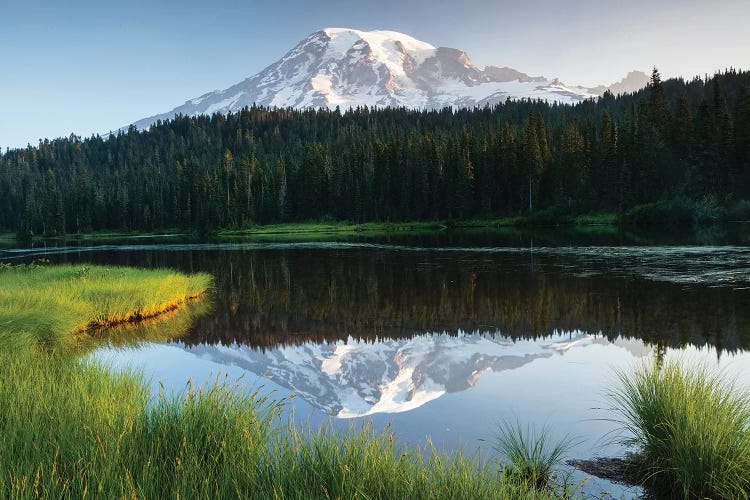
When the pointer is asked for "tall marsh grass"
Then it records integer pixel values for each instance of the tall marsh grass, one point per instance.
(692, 429)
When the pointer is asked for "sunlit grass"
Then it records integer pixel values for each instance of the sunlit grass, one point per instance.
(55, 306)
(692, 429)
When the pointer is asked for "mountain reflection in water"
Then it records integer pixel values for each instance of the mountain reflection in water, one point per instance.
(355, 378)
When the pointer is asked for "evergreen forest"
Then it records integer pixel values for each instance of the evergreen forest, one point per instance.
(676, 152)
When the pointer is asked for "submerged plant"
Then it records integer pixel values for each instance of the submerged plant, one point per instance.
(692, 429)
(532, 455)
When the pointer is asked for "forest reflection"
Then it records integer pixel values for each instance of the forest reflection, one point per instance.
(267, 299)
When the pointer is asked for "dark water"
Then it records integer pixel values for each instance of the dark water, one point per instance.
(445, 342)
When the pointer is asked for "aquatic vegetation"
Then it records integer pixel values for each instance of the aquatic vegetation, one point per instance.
(57, 306)
(692, 429)
(531, 455)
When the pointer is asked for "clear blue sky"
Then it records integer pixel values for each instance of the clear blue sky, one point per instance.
(91, 66)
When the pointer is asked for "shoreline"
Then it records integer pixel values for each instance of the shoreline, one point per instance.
(344, 227)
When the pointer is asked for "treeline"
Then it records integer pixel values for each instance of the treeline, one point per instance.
(673, 145)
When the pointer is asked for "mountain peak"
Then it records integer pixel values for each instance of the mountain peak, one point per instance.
(347, 68)
(378, 37)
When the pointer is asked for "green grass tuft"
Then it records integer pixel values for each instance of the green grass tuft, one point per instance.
(692, 429)
(531, 457)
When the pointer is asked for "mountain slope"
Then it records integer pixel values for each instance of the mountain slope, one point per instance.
(349, 68)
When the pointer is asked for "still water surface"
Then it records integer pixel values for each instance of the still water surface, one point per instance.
(444, 342)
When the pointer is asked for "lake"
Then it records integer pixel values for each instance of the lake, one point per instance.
(442, 338)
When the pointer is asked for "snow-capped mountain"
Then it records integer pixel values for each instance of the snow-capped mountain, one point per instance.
(349, 68)
(358, 378)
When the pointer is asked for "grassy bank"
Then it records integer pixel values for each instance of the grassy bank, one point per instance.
(691, 428)
(10, 240)
(57, 306)
(317, 230)
(679, 215)
(118, 235)
(312, 230)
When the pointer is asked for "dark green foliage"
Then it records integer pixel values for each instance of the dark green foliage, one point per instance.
(675, 213)
(674, 140)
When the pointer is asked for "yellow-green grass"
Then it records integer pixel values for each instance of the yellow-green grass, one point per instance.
(57, 306)
(692, 429)
(75, 429)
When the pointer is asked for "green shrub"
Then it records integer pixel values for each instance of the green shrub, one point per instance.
(708, 211)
